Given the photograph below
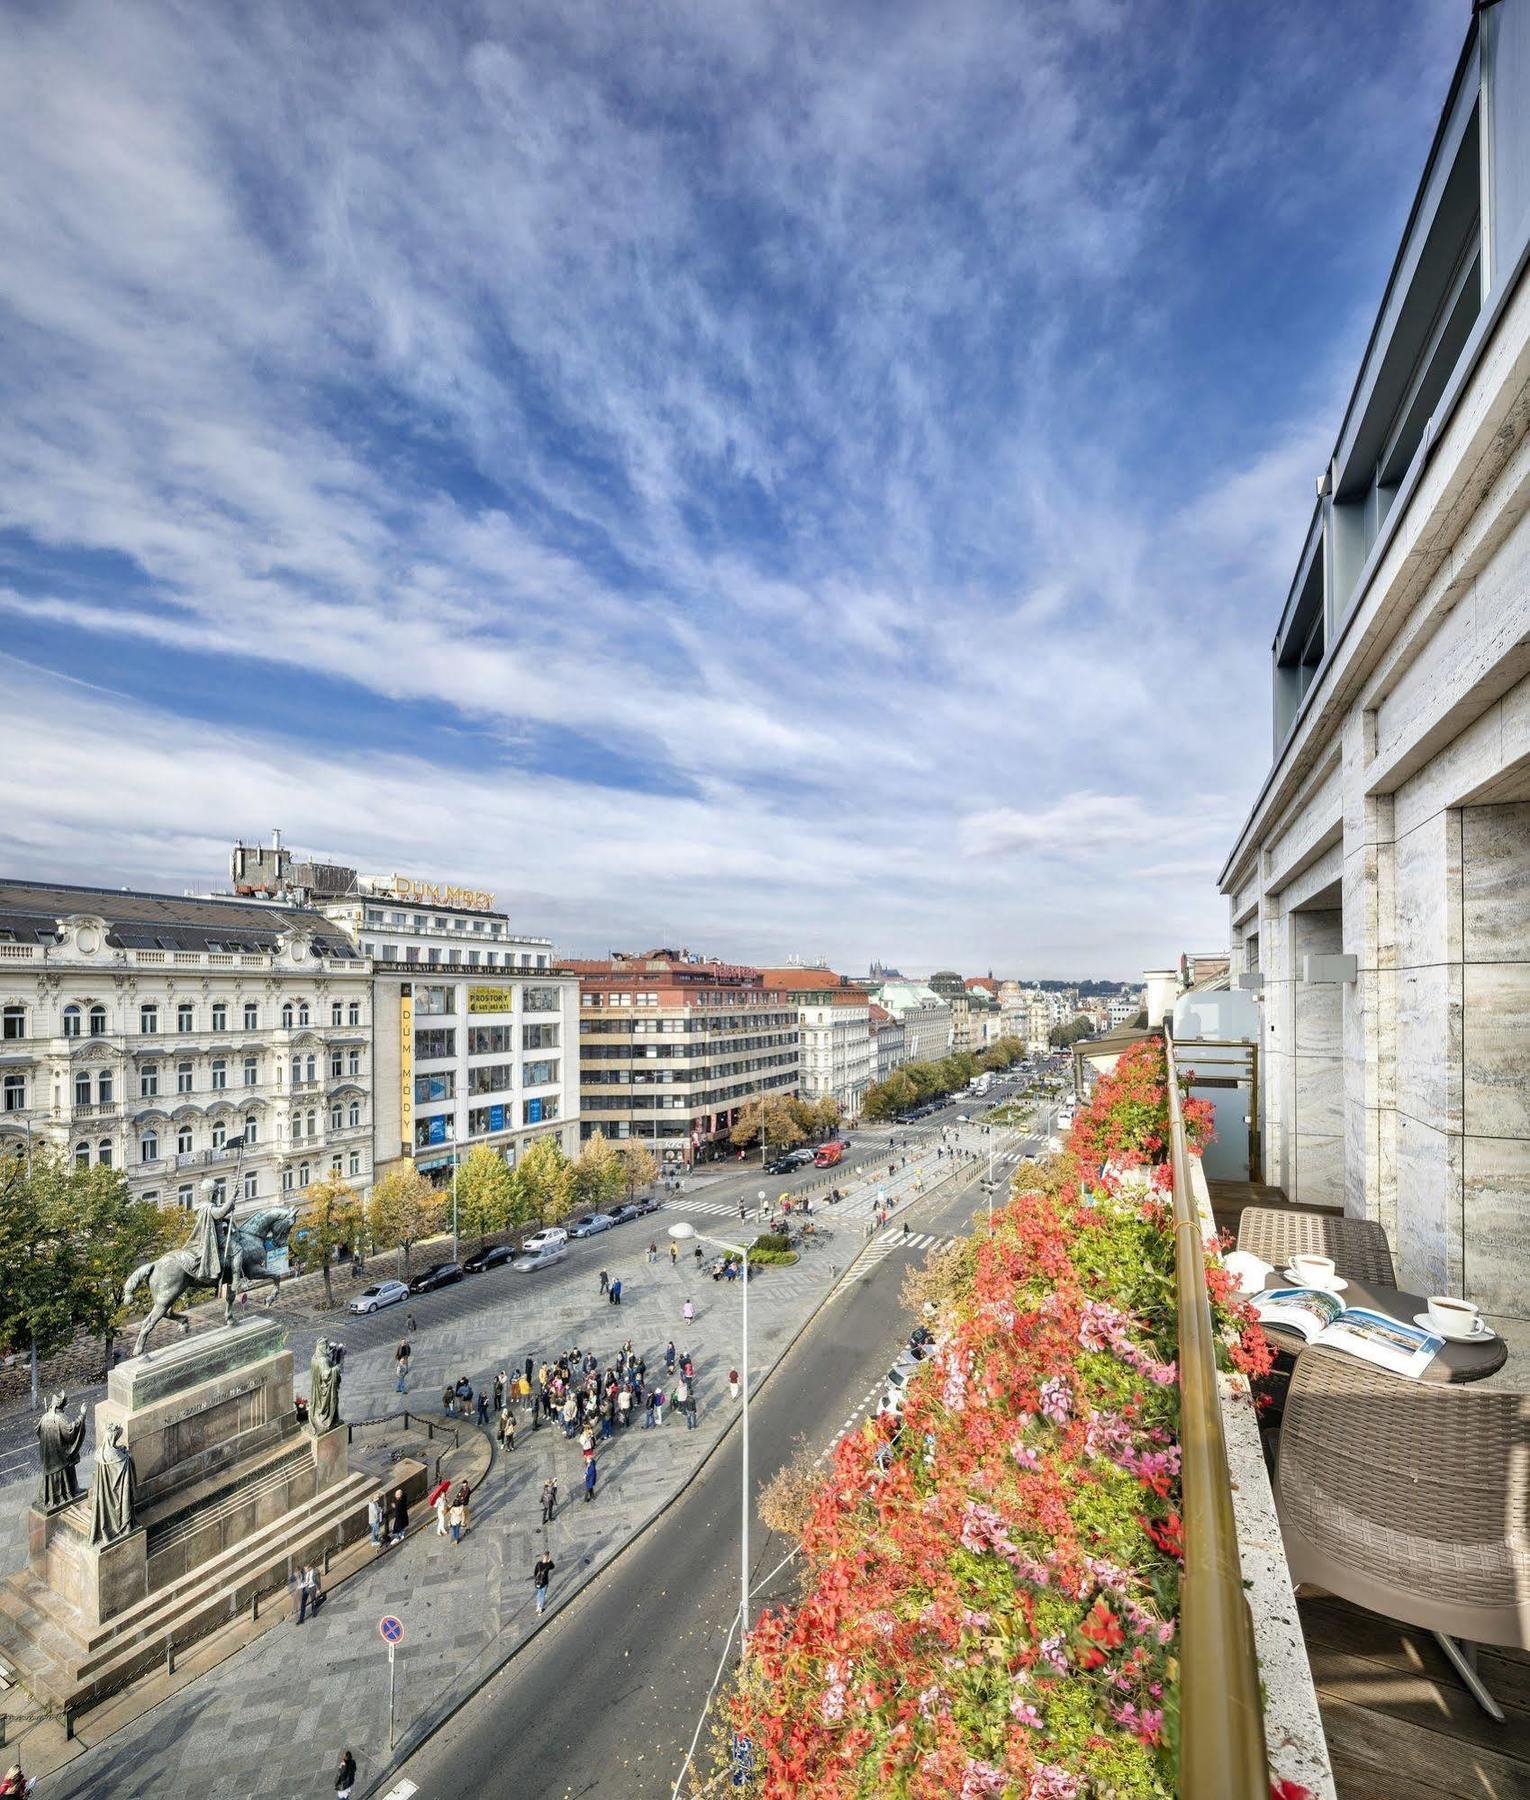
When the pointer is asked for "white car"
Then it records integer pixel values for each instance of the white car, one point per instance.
(897, 1381)
(540, 1259)
(381, 1293)
(549, 1237)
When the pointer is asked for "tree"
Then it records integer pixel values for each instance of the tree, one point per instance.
(1061, 1036)
(484, 1192)
(330, 1220)
(404, 1208)
(827, 1113)
(638, 1166)
(546, 1180)
(746, 1127)
(598, 1176)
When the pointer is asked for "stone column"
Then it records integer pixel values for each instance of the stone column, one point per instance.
(1317, 1020)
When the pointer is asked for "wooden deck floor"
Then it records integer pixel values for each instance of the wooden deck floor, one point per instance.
(1400, 1725)
(1228, 1199)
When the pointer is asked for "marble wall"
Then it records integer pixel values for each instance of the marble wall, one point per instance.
(1317, 1066)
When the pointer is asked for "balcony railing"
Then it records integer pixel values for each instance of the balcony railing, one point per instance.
(1222, 1747)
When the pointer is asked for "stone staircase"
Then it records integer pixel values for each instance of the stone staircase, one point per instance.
(70, 1662)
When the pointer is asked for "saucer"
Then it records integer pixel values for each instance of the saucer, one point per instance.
(1483, 1334)
(1336, 1286)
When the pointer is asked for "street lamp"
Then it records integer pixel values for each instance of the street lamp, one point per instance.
(683, 1232)
(456, 1153)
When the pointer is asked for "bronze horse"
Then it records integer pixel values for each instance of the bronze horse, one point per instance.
(244, 1262)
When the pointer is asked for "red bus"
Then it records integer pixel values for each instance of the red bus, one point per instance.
(828, 1155)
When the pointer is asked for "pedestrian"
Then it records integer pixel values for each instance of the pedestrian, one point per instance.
(688, 1312)
(440, 1499)
(464, 1395)
(14, 1785)
(690, 1408)
(674, 1255)
(483, 1407)
(458, 1517)
(570, 1416)
(669, 1357)
(549, 1500)
(375, 1518)
(507, 1429)
(648, 1412)
(699, 1257)
(587, 1443)
(605, 1282)
(449, 1401)
(541, 1575)
(345, 1776)
(658, 1406)
(591, 1476)
(624, 1407)
(687, 1367)
(905, 1231)
(499, 1391)
(733, 1384)
(528, 1368)
(653, 1253)
(401, 1358)
(409, 1324)
(616, 1291)
(307, 1588)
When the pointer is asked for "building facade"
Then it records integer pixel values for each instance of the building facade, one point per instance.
(839, 1059)
(888, 1036)
(924, 1016)
(185, 1040)
(1379, 890)
(672, 1049)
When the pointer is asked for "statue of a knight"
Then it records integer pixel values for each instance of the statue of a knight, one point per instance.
(209, 1244)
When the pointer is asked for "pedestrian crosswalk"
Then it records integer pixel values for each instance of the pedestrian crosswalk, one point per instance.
(714, 1209)
(893, 1239)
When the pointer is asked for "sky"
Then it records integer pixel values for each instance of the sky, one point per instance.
(780, 479)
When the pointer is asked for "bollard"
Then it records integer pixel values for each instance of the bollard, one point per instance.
(68, 1723)
(254, 1607)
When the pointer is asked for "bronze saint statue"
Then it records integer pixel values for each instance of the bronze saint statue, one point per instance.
(113, 1490)
(60, 1442)
(324, 1385)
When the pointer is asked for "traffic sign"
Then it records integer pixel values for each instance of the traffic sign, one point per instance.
(392, 1629)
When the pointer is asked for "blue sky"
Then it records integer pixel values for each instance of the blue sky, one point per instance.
(811, 479)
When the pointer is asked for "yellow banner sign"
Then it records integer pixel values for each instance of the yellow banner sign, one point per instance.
(406, 1069)
(491, 999)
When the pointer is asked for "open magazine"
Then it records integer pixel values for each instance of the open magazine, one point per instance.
(1376, 1337)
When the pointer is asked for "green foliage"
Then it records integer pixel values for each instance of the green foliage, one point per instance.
(773, 1240)
(597, 1178)
(1061, 1036)
(759, 1257)
(403, 1208)
(545, 1179)
(638, 1167)
(330, 1220)
(485, 1191)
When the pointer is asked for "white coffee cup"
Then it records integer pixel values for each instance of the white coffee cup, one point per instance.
(1314, 1271)
(1456, 1316)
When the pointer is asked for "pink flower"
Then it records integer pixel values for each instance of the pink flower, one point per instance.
(1024, 1713)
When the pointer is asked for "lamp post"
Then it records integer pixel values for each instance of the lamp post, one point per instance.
(455, 1158)
(683, 1233)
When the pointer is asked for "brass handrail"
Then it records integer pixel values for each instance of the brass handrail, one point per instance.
(1222, 1753)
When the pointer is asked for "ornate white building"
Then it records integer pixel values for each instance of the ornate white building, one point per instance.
(183, 1040)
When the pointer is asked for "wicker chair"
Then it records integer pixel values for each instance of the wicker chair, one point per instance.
(1357, 1246)
(1410, 1499)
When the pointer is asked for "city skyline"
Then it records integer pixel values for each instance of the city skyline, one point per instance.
(771, 481)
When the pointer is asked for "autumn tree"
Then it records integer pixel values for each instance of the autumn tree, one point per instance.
(545, 1177)
(598, 1176)
(638, 1167)
(330, 1220)
(485, 1191)
(403, 1209)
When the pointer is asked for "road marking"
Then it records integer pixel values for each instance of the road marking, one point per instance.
(402, 1790)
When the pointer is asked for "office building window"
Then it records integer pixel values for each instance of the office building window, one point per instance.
(547, 999)
(434, 1087)
(436, 1042)
(540, 1073)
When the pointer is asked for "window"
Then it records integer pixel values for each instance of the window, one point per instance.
(334, 1164)
(313, 1121)
(353, 1062)
(336, 1065)
(302, 1012)
(287, 1016)
(432, 1000)
(148, 1019)
(15, 1093)
(336, 1116)
(185, 1016)
(252, 1071)
(251, 1128)
(97, 1022)
(353, 1113)
(219, 1073)
(219, 1191)
(183, 1078)
(305, 1173)
(286, 1181)
(183, 1140)
(82, 1156)
(297, 1070)
(489, 1040)
(353, 1013)
(539, 1037)
(148, 1147)
(441, 1129)
(104, 1092)
(82, 1088)
(184, 1194)
(355, 1162)
(539, 1074)
(71, 1021)
(489, 1078)
(219, 1134)
(13, 1023)
(435, 1042)
(150, 1196)
(442, 1086)
(220, 1015)
(104, 1153)
(312, 1067)
(538, 1112)
(547, 999)
(251, 1016)
(251, 1185)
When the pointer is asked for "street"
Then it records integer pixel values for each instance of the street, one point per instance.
(607, 1698)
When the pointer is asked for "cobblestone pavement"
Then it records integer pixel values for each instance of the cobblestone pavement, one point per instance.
(272, 1719)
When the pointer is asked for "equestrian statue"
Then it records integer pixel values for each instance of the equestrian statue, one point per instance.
(226, 1254)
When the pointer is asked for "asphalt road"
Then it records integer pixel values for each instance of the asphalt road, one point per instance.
(605, 1701)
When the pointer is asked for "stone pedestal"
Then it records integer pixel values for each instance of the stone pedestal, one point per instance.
(233, 1493)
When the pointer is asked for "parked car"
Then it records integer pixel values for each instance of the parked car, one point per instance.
(381, 1293)
(897, 1381)
(799, 1159)
(589, 1223)
(438, 1275)
(542, 1258)
(781, 1165)
(549, 1237)
(623, 1214)
(492, 1258)
(646, 1203)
